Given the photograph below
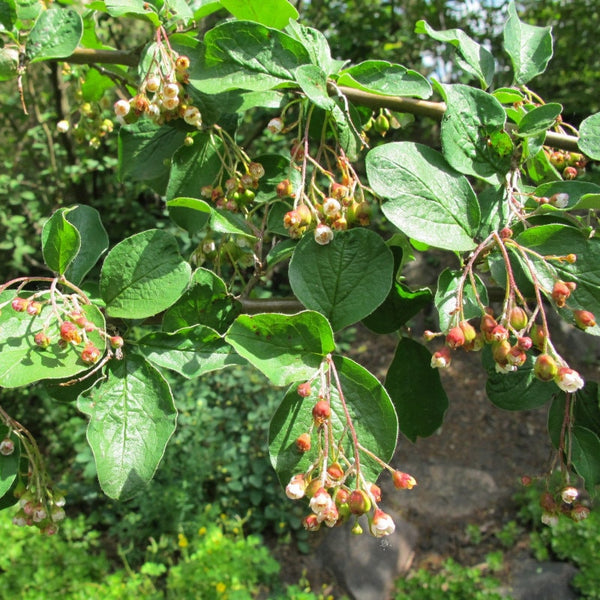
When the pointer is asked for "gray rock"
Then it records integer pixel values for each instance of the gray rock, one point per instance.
(444, 491)
(532, 580)
(366, 566)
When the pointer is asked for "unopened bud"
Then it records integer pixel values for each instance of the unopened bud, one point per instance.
(584, 319)
(545, 367)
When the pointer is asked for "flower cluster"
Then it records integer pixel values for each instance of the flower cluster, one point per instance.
(162, 96)
(333, 483)
(569, 164)
(564, 501)
(39, 508)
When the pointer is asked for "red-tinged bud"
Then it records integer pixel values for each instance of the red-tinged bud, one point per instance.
(34, 308)
(571, 285)
(78, 318)
(455, 337)
(341, 496)
(560, 293)
(442, 358)
(303, 442)
(182, 63)
(285, 189)
(524, 343)
(516, 356)
(313, 487)
(584, 319)
(304, 389)
(304, 214)
(547, 502)
(335, 471)
(518, 318)
(499, 334)
(526, 480)
(381, 524)
(500, 351)
(339, 191)
(488, 323)
(403, 481)
(359, 502)
(275, 125)
(321, 412)
(116, 341)
(542, 200)
(469, 331)
(90, 354)
(19, 304)
(545, 367)
(311, 523)
(41, 340)
(375, 492)
(297, 150)
(579, 513)
(296, 488)
(570, 173)
(69, 332)
(321, 501)
(340, 224)
(538, 336)
(429, 335)
(571, 258)
(506, 233)
(291, 219)
(477, 344)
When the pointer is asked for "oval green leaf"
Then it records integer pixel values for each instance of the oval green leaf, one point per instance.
(56, 34)
(589, 136)
(428, 200)
(60, 241)
(345, 280)
(286, 348)
(143, 275)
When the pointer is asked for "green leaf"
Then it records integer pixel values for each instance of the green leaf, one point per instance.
(8, 14)
(508, 95)
(519, 390)
(28, 9)
(277, 168)
(55, 34)
(370, 409)
(22, 362)
(556, 415)
(192, 214)
(313, 82)
(132, 417)
(539, 119)
(191, 351)
(316, 45)
(589, 136)
(398, 308)
(145, 150)
(246, 55)
(60, 241)
(280, 252)
(584, 451)
(416, 390)
(143, 275)
(446, 301)
(529, 47)
(470, 120)
(385, 78)
(345, 116)
(206, 302)
(9, 63)
(476, 60)
(9, 465)
(495, 210)
(137, 8)
(95, 241)
(344, 280)
(203, 8)
(193, 167)
(272, 13)
(95, 85)
(428, 200)
(286, 348)
(586, 408)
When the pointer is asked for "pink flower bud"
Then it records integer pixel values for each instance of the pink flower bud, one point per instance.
(296, 488)
(323, 234)
(568, 380)
(403, 481)
(441, 359)
(569, 495)
(321, 501)
(381, 524)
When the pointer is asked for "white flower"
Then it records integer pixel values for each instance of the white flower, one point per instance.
(569, 380)
(295, 489)
(171, 103)
(153, 83)
(122, 108)
(323, 234)
(171, 90)
(62, 126)
(560, 200)
(192, 116)
(321, 502)
(550, 519)
(329, 516)
(569, 495)
(331, 207)
(507, 368)
(441, 359)
(382, 524)
(154, 110)
(275, 125)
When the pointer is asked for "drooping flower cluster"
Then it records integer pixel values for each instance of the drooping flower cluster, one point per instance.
(333, 484)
